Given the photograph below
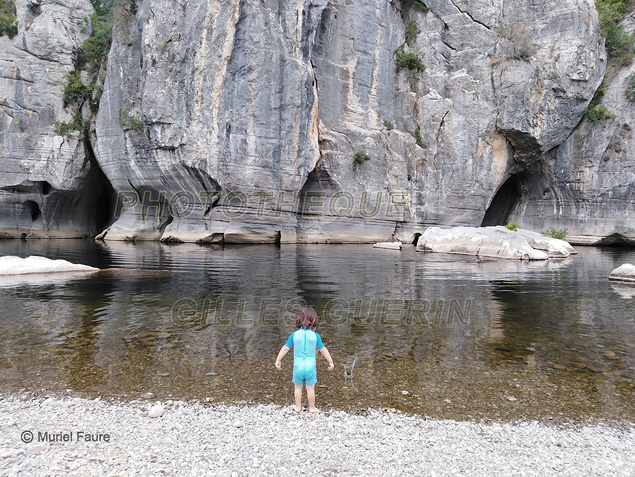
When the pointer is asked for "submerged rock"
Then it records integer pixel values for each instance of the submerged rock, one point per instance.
(625, 273)
(388, 245)
(498, 242)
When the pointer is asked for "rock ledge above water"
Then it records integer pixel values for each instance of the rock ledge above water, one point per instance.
(498, 242)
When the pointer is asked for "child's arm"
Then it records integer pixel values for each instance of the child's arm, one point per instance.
(284, 350)
(325, 352)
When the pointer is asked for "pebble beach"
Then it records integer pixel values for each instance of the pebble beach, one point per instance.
(70, 435)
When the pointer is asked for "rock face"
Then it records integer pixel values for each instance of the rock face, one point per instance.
(50, 185)
(587, 184)
(268, 121)
(496, 242)
(624, 273)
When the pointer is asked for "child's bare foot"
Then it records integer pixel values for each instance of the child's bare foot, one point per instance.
(297, 409)
(314, 410)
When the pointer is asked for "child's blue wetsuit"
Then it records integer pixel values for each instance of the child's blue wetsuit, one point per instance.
(304, 342)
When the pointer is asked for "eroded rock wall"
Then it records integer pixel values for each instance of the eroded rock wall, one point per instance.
(49, 186)
(279, 97)
(587, 184)
(240, 120)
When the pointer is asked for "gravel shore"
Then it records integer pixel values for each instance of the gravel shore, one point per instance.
(205, 439)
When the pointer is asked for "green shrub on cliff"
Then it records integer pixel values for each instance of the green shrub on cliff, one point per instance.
(599, 113)
(619, 44)
(595, 111)
(630, 88)
(95, 48)
(62, 128)
(513, 226)
(127, 120)
(74, 90)
(8, 23)
(360, 158)
(412, 30)
(412, 63)
(418, 138)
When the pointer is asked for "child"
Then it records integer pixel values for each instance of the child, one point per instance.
(305, 341)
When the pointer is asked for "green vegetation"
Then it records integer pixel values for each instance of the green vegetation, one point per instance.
(619, 44)
(412, 30)
(74, 90)
(522, 55)
(128, 121)
(8, 23)
(91, 59)
(599, 113)
(513, 226)
(388, 125)
(95, 48)
(412, 63)
(408, 61)
(419, 139)
(19, 123)
(360, 158)
(62, 128)
(595, 111)
(630, 88)
(406, 5)
(556, 233)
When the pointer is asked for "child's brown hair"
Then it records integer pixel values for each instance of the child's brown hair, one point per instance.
(307, 318)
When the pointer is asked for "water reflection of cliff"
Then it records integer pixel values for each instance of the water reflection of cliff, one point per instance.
(199, 321)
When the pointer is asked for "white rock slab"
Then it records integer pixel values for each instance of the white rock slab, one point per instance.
(555, 248)
(10, 265)
(497, 242)
(388, 245)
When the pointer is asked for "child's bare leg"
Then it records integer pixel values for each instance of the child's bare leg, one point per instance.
(298, 398)
(310, 394)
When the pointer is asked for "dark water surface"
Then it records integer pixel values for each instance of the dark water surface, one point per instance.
(432, 334)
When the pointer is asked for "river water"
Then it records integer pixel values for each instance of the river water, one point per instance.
(432, 334)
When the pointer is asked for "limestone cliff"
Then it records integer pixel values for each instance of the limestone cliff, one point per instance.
(50, 185)
(260, 120)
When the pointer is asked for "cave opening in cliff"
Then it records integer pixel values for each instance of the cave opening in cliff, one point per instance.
(318, 181)
(105, 205)
(34, 209)
(104, 196)
(503, 204)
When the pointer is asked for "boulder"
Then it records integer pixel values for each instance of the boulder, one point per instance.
(555, 248)
(625, 273)
(498, 242)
